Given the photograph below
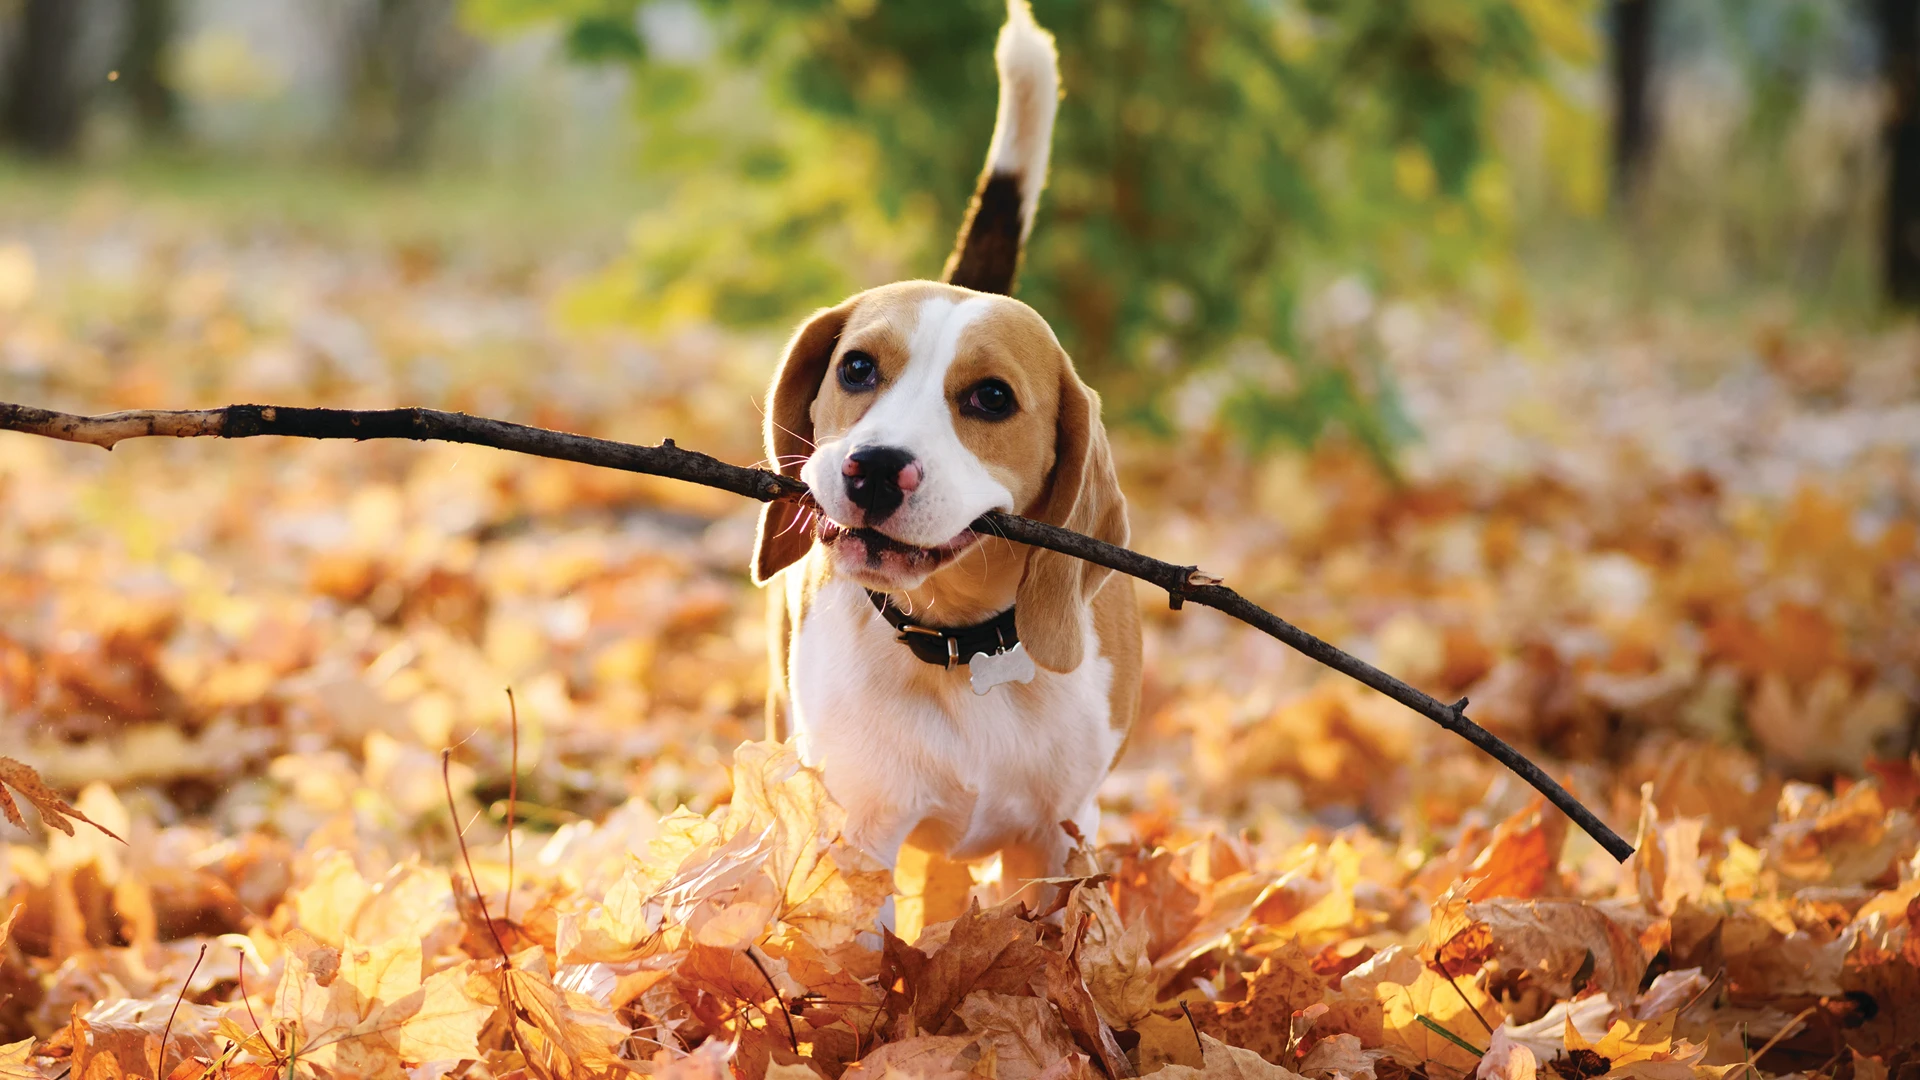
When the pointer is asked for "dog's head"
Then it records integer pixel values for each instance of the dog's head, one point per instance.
(912, 409)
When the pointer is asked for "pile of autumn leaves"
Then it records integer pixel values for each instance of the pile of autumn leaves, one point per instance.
(744, 943)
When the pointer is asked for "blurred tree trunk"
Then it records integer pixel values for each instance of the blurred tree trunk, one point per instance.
(150, 28)
(407, 55)
(1900, 48)
(1633, 24)
(44, 98)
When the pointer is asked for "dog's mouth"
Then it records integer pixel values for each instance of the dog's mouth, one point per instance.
(875, 551)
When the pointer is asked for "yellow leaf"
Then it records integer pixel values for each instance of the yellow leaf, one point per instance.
(1628, 1041)
(15, 1063)
(1223, 1062)
(831, 886)
(1112, 957)
(375, 1012)
(1440, 1001)
(570, 1031)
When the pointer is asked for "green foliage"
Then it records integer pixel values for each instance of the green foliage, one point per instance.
(1213, 160)
(604, 39)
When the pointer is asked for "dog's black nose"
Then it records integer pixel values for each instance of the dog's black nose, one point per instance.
(878, 478)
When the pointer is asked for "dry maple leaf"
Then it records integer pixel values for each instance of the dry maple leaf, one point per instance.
(1166, 1039)
(54, 810)
(1667, 871)
(1341, 1057)
(1522, 859)
(1223, 1062)
(1457, 943)
(1412, 1012)
(832, 887)
(923, 1057)
(203, 1069)
(1553, 940)
(1891, 982)
(1227, 906)
(1155, 890)
(709, 1062)
(376, 1012)
(1112, 957)
(568, 1035)
(1284, 984)
(16, 1061)
(1515, 1063)
(1068, 993)
(995, 949)
(1626, 1041)
(132, 1029)
(1546, 1037)
(1026, 1035)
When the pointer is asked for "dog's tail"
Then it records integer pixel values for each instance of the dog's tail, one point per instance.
(986, 256)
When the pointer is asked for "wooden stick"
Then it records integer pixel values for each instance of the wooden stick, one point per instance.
(1182, 583)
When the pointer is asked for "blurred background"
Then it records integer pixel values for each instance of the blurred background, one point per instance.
(1549, 352)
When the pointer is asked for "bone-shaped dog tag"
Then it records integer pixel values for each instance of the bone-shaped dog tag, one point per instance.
(988, 670)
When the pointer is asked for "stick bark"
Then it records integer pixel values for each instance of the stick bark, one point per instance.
(1183, 584)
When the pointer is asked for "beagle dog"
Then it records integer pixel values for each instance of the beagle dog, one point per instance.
(955, 688)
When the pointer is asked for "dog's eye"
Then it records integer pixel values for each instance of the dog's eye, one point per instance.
(989, 400)
(858, 372)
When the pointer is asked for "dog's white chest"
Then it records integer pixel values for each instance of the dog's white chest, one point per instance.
(904, 743)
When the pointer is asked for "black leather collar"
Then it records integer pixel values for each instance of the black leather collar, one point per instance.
(948, 646)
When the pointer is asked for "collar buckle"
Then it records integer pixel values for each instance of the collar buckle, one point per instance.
(992, 637)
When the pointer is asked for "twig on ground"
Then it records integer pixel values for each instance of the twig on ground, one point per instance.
(460, 837)
(513, 796)
(1182, 583)
(160, 1059)
(793, 1040)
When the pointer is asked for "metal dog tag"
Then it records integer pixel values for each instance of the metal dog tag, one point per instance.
(988, 670)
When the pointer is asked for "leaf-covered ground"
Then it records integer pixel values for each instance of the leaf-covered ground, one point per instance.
(1674, 558)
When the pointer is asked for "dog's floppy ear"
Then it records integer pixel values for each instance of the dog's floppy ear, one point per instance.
(789, 435)
(1056, 595)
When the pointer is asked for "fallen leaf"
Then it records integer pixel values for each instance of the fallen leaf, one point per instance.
(16, 1061)
(1522, 858)
(54, 810)
(992, 950)
(1341, 1057)
(1512, 1062)
(1627, 1041)
(1223, 1062)
(573, 1034)
(376, 1012)
(924, 1057)
(1284, 984)
(1552, 940)
(1459, 1007)
(1026, 1034)
(1068, 993)
(1112, 957)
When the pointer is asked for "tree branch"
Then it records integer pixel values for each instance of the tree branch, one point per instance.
(1182, 583)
